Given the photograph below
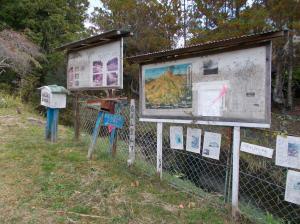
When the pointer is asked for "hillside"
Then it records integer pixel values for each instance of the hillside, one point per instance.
(167, 89)
(54, 183)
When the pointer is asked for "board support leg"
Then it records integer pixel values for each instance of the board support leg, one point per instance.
(95, 134)
(159, 149)
(114, 145)
(235, 172)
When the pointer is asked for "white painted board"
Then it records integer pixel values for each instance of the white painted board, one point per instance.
(288, 151)
(96, 67)
(292, 188)
(211, 145)
(193, 140)
(176, 137)
(257, 150)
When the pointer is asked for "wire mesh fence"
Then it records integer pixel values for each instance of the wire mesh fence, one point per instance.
(262, 183)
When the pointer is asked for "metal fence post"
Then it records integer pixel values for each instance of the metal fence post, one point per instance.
(159, 149)
(235, 172)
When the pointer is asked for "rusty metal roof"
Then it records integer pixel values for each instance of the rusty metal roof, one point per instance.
(95, 40)
(209, 46)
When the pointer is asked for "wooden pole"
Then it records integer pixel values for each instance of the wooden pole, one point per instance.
(77, 117)
(235, 172)
(159, 150)
(131, 133)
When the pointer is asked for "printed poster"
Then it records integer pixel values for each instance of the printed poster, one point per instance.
(176, 137)
(211, 145)
(288, 151)
(168, 87)
(292, 188)
(257, 150)
(193, 140)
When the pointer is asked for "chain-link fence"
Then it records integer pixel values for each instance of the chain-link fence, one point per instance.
(262, 184)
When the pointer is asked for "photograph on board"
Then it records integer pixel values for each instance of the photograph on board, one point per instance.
(98, 79)
(112, 79)
(97, 66)
(294, 149)
(168, 87)
(193, 140)
(112, 64)
(70, 76)
(176, 137)
(211, 145)
(210, 67)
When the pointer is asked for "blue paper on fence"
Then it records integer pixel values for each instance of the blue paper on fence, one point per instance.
(113, 119)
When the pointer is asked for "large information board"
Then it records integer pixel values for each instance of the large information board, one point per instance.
(97, 67)
(231, 86)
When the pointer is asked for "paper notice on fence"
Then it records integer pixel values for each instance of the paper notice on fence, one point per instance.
(211, 145)
(288, 151)
(292, 188)
(257, 150)
(176, 137)
(193, 140)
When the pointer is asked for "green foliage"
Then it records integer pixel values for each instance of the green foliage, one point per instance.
(49, 24)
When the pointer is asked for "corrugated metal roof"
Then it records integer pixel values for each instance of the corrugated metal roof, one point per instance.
(95, 40)
(210, 45)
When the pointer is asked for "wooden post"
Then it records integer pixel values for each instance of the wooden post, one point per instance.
(48, 124)
(131, 133)
(77, 117)
(235, 172)
(159, 149)
(54, 125)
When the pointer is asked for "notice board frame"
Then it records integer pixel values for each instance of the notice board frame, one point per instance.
(213, 120)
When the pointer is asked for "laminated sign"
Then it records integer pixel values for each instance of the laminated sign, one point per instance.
(292, 189)
(288, 151)
(257, 150)
(176, 137)
(193, 140)
(211, 145)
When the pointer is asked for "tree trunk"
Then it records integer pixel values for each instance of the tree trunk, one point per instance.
(290, 71)
(278, 88)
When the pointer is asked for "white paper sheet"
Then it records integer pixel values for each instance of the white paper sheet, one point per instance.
(292, 188)
(211, 145)
(211, 97)
(176, 137)
(193, 140)
(257, 150)
(288, 151)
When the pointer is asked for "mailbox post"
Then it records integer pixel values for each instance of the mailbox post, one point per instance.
(53, 97)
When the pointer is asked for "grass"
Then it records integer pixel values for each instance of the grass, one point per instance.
(54, 183)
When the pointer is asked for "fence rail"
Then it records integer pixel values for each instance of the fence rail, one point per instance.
(261, 182)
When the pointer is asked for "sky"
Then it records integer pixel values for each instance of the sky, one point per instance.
(154, 73)
(93, 4)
